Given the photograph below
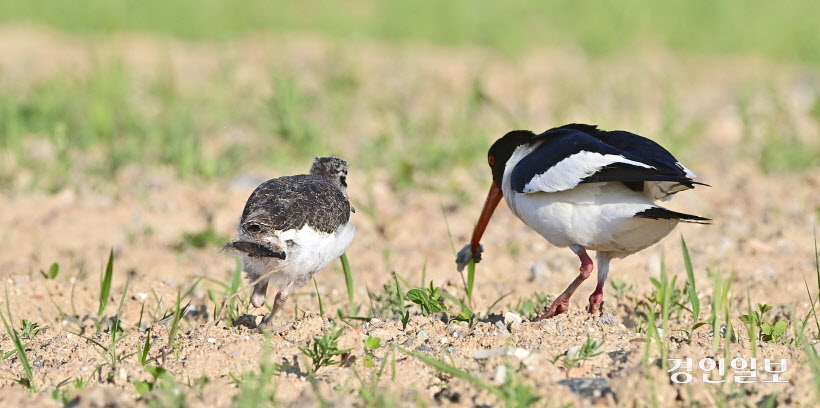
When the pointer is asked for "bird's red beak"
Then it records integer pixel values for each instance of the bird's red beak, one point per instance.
(493, 197)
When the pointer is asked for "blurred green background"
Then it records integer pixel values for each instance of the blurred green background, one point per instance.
(91, 122)
(776, 29)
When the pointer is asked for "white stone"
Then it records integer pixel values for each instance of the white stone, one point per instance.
(512, 321)
(500, 374)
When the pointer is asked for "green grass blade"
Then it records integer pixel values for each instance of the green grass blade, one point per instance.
(398, 289)
(105, 283)
(143, 353)
(172, 332)
(690, 276)
(812, 301)
(817, 263)
(237, 277)
(447, 224)
(18, 345)
(470, 281)
(348, 280)
(319, 296)
(230, 308)
(455, 372)
(500, 298)
(122, 298)
(116, 327)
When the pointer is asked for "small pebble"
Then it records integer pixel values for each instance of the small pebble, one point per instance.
(501, 327)
(444, 340)
(531, 361)
(457, 334)
(519, 353)
(421, 335)
(482, 354)
(512, 321)
(211, 340)
(607, 320)
(500, 374)
(423, 347)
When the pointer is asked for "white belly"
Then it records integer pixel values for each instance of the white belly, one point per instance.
(307, 252)
(596, 216)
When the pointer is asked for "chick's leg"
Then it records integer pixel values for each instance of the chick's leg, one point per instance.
(278, 303)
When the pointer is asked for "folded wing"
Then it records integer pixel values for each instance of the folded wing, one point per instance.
(573, 154)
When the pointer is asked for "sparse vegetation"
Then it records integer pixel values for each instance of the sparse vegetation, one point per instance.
(511, 392)
(258, 389)
(28, 380)
(52, 272)
(574, 357)
(324, 350)
(533, 305)
(121, 136)
(198, 240)
(429, 299)
(29, 329)
(771, 332)
(349, 285)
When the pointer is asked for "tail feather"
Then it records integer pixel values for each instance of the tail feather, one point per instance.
(660, 213)
(253, 249)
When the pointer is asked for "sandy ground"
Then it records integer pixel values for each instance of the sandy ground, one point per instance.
(762, 236)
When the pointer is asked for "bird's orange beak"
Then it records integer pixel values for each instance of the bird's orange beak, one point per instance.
(493, 197)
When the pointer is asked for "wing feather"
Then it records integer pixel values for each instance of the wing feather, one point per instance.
(575, 154)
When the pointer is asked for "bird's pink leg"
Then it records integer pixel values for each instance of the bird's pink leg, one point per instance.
(561, 303)
(597, 297)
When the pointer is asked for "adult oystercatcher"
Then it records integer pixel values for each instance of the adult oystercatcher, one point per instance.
(584, 188)
(291, 228)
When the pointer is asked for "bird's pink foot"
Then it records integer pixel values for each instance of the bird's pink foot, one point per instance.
(559, 305)
(596, 298)
(595, 301)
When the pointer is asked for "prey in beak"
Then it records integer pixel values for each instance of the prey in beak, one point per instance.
(473, 250)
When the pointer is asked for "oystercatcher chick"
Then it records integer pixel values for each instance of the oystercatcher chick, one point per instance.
(586, 189)
(291, 228)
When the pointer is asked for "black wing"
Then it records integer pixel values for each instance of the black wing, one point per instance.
(575, 154)
(660, 213)
(291, 202)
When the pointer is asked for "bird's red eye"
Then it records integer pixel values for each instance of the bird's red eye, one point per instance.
(491, 160)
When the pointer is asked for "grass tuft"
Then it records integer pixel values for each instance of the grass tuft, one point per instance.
(28, 380)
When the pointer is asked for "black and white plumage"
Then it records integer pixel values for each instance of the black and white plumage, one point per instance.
(292, 227)
(585, 188)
